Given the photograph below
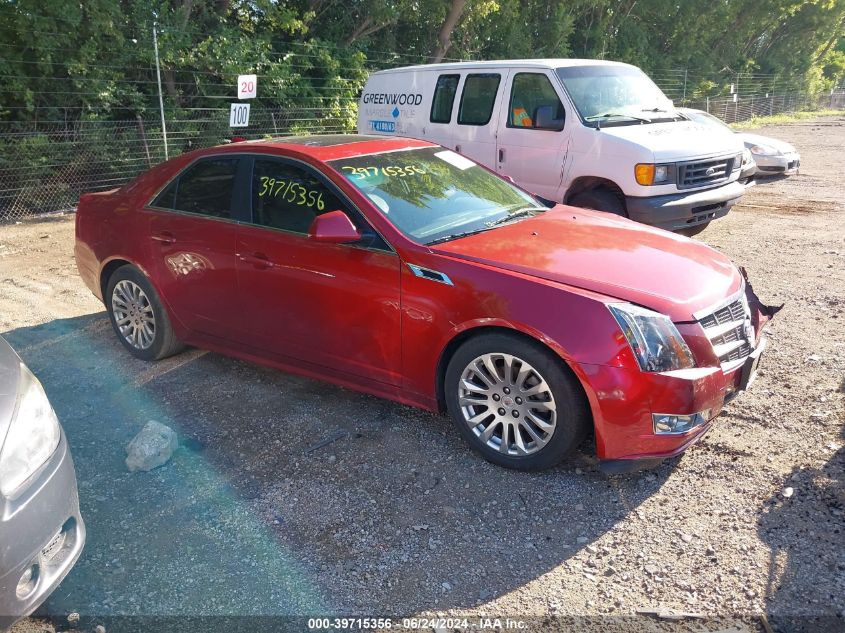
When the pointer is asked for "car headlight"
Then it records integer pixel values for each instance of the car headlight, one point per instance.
(746, 157)
(33, 435)
(764, 150)
(738, 160)
(652, 174)
(653, 338)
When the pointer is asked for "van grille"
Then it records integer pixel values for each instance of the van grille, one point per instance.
(704, 172)
(729, 331)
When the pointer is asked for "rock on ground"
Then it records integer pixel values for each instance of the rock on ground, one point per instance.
(152, 447)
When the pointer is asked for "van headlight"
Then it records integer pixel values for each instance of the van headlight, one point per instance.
(651, 174)
(33, 435)
(653, 338)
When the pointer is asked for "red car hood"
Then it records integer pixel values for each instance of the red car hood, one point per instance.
(612, 256)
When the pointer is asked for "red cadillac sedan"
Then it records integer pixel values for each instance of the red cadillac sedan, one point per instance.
(402, 269)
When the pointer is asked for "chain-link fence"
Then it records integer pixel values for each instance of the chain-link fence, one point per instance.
(737, 109)
(45, 167)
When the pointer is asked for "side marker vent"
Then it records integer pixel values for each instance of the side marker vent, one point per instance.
(433, 275)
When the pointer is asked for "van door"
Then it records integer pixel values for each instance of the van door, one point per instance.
(478, 111)
(533, 133)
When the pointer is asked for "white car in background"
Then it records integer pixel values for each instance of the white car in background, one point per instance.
(772, 156)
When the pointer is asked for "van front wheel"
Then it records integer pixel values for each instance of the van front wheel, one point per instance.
(694, 230)
(599, 200)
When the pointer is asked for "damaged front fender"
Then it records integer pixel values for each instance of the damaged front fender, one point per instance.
(760, 312)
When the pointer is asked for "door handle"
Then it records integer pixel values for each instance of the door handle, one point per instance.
(258, 260)
(165, 237)
(501, 155)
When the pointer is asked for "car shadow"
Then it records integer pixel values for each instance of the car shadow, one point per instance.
(803, 526)
(762, 177)
(291, 496)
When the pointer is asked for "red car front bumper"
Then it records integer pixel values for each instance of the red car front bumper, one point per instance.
(624, 400)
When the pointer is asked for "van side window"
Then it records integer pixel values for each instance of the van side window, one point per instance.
(444, 98)
(531, 91)
(478, 98)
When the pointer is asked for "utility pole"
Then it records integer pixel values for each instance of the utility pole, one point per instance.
(160, 97)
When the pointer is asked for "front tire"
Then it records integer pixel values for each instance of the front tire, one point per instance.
(138, 317)
(695, 230)
(514, 402)
(599, 200)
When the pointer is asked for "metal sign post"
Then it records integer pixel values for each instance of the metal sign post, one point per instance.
(160, 98)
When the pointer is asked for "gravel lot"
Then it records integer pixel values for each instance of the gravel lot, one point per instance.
(398, 517)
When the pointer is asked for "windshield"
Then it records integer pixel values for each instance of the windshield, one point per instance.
(707, 119)
(433, 194)
(616, 95)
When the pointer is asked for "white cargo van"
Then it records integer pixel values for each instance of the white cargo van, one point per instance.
(589, 133)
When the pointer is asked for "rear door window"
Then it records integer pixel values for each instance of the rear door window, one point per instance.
(444, 98)
(205, 188)
(478, 98)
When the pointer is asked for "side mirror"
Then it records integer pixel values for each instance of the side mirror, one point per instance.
(333, 227)
(544, 119)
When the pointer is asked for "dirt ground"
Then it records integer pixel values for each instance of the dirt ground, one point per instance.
(397, 517)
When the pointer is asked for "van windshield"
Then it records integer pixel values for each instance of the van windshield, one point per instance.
(434, 195)
(616, 95)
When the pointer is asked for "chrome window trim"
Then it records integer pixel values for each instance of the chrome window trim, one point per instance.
(253, 155)
(200, 216)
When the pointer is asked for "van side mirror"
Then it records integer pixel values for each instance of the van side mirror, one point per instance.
(544, 119)
(333, 227)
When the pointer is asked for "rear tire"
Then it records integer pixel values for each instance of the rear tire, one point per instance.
(138, 317)
(514, 402)
(599, 200)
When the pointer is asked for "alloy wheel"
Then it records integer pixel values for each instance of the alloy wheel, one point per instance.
(133, 314)
(507, 404)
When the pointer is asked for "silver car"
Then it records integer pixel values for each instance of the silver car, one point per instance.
(41, 530)
(771, 155)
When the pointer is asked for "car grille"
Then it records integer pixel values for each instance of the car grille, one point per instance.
(729, 331)
(704, 172)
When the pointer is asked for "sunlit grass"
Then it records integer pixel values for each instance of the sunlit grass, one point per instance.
(778, 119)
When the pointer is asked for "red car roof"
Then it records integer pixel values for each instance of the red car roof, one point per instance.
(325, 147)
